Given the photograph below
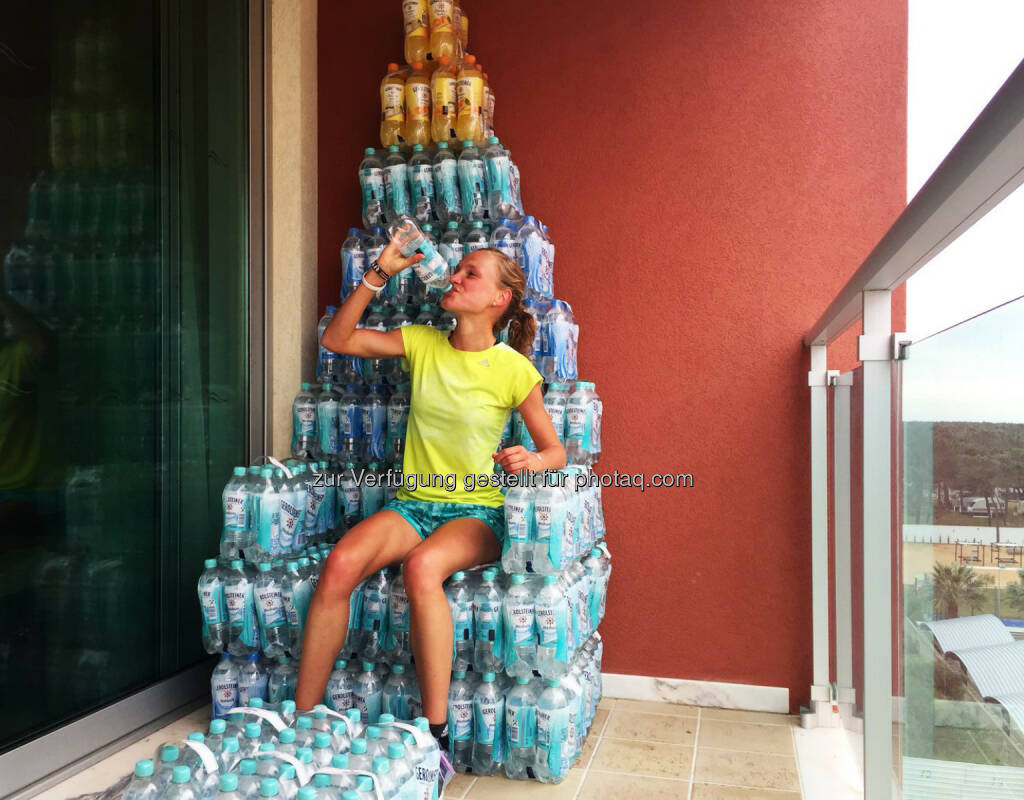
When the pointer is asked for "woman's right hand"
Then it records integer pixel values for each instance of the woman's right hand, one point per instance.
(392, 261)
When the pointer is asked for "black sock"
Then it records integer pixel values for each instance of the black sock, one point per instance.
(440, 732)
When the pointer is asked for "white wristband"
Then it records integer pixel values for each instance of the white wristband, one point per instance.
(371, 287)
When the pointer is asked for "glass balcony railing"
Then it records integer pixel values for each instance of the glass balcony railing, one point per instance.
(917, 507)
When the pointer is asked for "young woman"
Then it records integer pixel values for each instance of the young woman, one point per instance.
(464, 385)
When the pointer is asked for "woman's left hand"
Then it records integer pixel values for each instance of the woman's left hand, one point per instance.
(517, 458)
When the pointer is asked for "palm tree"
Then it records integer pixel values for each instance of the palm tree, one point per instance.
(955, 584)
(1015, 591)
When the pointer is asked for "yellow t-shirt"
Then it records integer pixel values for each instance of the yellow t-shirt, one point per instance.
(459, 405)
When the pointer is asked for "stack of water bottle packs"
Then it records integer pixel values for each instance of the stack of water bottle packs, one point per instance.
(526, 657)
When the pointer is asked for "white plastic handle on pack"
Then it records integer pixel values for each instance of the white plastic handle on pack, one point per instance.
(335, 771)
(330, 712)
(205, 754)
(279, 465)
(270, 716)
(423, 739)
(604, 548)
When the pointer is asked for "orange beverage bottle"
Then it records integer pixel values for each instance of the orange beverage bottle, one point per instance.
(442, 98)
(417, 107)
(457, 29)
(416, 19)
(392, 106)
(469, 93)
(442, 29)
(463, 31)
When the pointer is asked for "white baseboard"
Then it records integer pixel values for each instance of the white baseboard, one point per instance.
(743, 696)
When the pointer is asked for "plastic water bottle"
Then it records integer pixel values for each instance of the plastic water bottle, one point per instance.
(552, 733)
(267, 510)
(421, 184)
(555, 402)
(327, 420)
(293, 507)
(214, 609)
(248, 780)
(505, 239)
(304, 442)
(582, 412)
(535, 262)
(521, 729)
(460, 722)
(395, 694)
(238, 597)
(450, 247)
(353, 262)
(235, 505)
(371, 184)
(476, 238)
(488, 727)
(552, 614)
(519, 521)
(142, 785)
(269, 787)
(489, 650)
(427, 770)
(327, 362)
(398, 641)
(432, 269)
(448, 198)
(374, 424)
(385, 780)
(181, 787)
(296, 595)
(350, 422)
(367, 694)
(520, 640)
(349, 495)
(460, 602)
(374, 616)
(563, 342)
(500, 201)
(252, 680)
(472, 182)
(396, 184)
(398, 418)
(406, 787)
(358, 759)
(338, 694)
(270, 610)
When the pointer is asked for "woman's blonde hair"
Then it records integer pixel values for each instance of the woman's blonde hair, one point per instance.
(521, 324)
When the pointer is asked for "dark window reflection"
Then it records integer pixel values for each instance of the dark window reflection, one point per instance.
(123, 355)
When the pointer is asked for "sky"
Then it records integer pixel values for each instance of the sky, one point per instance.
(960, 53)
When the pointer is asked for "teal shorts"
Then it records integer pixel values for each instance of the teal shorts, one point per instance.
(426, 517)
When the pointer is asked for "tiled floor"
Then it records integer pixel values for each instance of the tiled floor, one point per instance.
(636, 750)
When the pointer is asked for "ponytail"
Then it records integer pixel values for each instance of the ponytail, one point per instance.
(521, 325)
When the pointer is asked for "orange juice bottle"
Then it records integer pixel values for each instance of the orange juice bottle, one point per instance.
(442, 98)
(417, 106)
(392, 106)
(469, 93)
(457, 30)
(417, 37)
(463, 31)
(442, 29)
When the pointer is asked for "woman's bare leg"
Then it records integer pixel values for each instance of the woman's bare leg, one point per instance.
(459, 544)
(378, 541)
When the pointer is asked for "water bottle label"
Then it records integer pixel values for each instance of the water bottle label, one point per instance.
(521, 623)
(368, 704)
(564, 336)
(290, 516)
(270, 606)
(552, 739)
(270, 523)
(417, 102)
(351, 421)
(486, 622)
(521, 726)
(517, 521)
(225, 695)
(353, 265)
(557, 413)
(350, 493)
(497, 177)
(374, 428)
(460, 720)
(423, 180)
(250, 686)
(304, 420)
(234, 509)
(371, 181)
(399, 610)
(546, 276)
(211, 598)
(471, 183)
(314, 499)
(576, 420)
(488, 716)
(396, 188)
(373, 613)
(340, 698)
(446, 185)
(398, 418)
(391, 106)
(469, 93)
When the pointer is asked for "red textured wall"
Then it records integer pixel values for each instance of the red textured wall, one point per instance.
(711, 173)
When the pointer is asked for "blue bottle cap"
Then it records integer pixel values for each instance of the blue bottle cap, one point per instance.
(247, 766)
(522, 680)
(518, 578)
(396, 750)
(252, 730)
(550, 580)
(392, 148)
(373, 732)
(196, 737)
(369, 151)
(380, 765)
(230, 744)
(268, 787)
(228, 782)
(236, 563)
(442, 145)
(416, 148)
(181, 774)
(304, 723)
(238, 471)
(287, 736)
(467, 143)
(144, 768)
(340, 761)
(169, 753)
(488, 677)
